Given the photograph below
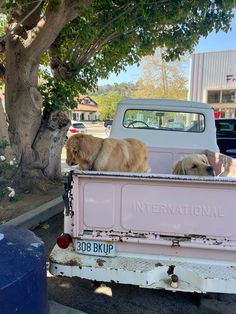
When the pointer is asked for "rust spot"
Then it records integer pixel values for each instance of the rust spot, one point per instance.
(158, 265)
(73, 263)
(170, 270)
(100, 262)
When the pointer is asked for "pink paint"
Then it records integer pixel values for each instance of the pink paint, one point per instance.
(149, 211)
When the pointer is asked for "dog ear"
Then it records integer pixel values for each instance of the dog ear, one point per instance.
(85, 150)
(178, 168)
(72, 150)
(204, 159)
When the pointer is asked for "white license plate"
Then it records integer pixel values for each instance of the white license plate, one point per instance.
(100, 248)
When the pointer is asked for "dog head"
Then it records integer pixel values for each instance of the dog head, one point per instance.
(195, 165)
(81, 150)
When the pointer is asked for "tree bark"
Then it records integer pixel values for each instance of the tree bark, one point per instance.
(36, 140)
(51, 135)
(6, 152)
(23, 101)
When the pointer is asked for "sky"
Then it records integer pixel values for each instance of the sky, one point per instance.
(213, 42)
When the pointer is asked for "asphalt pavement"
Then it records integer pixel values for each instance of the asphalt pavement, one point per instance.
(56, 308)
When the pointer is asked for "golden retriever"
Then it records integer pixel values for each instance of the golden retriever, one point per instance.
(93, 153)
(195, 165)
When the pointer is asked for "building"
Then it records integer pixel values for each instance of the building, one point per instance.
(213, 80)
(87, 110)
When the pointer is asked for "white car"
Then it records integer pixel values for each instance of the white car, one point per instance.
(75, 128)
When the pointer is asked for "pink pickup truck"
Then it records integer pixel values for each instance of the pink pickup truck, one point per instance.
(155, 230)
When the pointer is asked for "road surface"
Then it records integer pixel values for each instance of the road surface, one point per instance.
(118, 299)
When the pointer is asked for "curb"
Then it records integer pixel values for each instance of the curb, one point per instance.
(39, 214)
(57, 308)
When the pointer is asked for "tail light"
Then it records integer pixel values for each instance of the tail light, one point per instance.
(74, 130)
(64, 240)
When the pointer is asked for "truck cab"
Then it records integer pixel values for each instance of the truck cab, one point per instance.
(166, 123)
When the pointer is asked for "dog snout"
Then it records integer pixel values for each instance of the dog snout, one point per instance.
(210, 170)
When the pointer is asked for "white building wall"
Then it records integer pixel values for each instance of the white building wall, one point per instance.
(212, 71)
(83, 115)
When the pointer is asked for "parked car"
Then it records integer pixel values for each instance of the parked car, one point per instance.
(226, 135)
(76, 127)
(108, 122)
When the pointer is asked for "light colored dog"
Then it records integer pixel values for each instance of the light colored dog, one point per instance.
(195, 165)
(93, 153)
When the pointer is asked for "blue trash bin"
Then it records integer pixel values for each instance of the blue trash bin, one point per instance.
(23, 281)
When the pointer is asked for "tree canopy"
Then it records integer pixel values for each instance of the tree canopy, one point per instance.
(74, 43)
(106, 36)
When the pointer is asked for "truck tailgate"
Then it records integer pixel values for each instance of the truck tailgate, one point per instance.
(154, 204)
(160, 228)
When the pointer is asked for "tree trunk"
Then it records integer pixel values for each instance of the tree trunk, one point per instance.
(49, 142)
(7, 152)
(164, 76)
(23, 102)
(36, 140)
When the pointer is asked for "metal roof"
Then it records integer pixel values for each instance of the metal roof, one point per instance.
(164, 102)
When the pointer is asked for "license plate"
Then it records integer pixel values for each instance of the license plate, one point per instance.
(100, 248)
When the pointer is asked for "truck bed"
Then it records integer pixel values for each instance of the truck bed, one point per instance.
(157, 213)
(161, 160)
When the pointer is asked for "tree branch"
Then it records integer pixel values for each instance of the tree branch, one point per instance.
(93, 49)
(124, 10)
(101, 40)
(30, 12)
(19, 23)
(1, 4)
(48, 28)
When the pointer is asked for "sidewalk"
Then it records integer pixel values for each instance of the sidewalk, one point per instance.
(39, 214)
(56, 308)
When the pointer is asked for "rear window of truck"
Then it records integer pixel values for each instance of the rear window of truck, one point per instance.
(164, 120)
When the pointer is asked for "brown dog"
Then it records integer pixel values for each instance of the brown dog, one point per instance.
(195, 165)
(109, 154)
